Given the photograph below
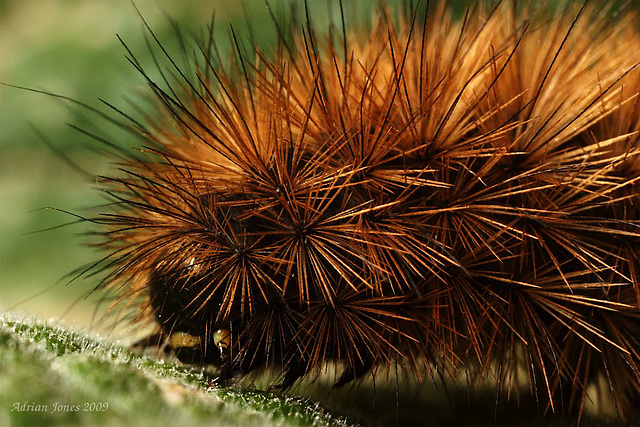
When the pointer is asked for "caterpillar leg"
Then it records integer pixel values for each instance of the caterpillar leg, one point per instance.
(295, 370)
(351, 373)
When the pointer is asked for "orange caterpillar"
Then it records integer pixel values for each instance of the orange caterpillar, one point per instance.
(450, 193)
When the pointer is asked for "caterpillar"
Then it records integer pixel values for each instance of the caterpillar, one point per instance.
(439, 194)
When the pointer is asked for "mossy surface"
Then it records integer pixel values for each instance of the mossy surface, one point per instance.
(50, 375)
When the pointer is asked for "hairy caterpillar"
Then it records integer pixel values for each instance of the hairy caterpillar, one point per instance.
(436, 193)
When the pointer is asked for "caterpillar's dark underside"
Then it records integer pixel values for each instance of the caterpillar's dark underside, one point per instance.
(445, 195)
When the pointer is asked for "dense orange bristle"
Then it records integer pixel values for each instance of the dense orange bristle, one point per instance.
(450, 193)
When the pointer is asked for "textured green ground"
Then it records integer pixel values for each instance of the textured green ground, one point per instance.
(69, 378)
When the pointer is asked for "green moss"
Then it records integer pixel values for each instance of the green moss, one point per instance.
(53, 376)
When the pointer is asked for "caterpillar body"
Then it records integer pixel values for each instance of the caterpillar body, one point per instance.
(441, 194)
